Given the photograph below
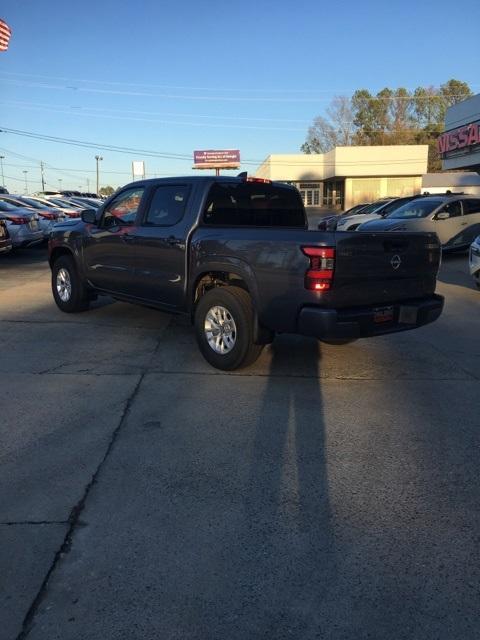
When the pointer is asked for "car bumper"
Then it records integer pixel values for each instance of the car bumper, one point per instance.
(26, 238)
(359, 322)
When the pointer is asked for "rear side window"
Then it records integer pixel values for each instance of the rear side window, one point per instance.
(253, 204)
(167, 206)
(471, 206)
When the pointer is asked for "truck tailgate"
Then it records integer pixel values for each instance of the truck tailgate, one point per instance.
(373, 268)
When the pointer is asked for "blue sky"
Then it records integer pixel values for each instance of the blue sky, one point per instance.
(172, 77)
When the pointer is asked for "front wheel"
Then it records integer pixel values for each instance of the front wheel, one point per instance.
(69, 290)
(224, 326)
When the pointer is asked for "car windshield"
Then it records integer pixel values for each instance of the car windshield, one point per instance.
(33, 203)
(416, 209)
(6, 206)
(372, 208)
(66, 204)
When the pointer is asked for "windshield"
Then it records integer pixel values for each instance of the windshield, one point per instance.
(33, 203)
(66, 204)
(5, 206)
(372, 208)
(416, 209)
(253, 204)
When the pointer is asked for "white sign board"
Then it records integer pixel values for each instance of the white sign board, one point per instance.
(138, 169)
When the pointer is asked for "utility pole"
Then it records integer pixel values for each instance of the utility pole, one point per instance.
(59, 184)
(43, 176)
(88, 185)
(98, 158)
(2, 158)
(26, 183)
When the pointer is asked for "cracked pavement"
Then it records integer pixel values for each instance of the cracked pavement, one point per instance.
(325, 492)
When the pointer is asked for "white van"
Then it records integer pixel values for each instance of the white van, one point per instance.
(455, 218)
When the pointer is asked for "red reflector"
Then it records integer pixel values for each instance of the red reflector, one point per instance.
(319, 252)
(324, 274)
(263, 180)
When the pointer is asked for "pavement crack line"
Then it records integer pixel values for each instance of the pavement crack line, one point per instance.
(73, 519)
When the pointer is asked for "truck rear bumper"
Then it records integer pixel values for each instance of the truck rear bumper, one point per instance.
(362, 322)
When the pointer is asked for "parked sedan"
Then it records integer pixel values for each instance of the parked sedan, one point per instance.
(5, 240)
(329, 223)
(474, 259)
(70, 209)
(455, 218)
(48, 215)
(22, 225)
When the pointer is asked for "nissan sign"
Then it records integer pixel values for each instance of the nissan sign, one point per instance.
(216, 158)
(457, 139)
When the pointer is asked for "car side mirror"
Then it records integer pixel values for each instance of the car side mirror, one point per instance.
(89, 216)
(442, 215)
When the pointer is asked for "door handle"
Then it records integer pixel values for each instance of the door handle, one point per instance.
(174, 242)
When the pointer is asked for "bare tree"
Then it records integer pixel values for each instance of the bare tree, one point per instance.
(334, 130)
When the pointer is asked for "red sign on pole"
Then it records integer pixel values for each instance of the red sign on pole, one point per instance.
(216, 159)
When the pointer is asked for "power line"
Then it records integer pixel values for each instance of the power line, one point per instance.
(188, 88)
(216, 98)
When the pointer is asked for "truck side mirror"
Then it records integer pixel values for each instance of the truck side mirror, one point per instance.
(89, 216)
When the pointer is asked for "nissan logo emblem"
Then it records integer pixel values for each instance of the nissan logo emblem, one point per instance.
(396, 261)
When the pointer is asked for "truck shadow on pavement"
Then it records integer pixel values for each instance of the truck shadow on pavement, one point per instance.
(288, 506)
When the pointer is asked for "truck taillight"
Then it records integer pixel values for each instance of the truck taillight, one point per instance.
(319, 276)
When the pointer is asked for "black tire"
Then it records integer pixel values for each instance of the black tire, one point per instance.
(78, 299)
(238, 303)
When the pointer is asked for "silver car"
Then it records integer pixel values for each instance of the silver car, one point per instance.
(22, 225)
(455, 218)
(47, 215)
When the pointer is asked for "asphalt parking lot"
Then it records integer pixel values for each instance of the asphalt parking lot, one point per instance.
(326, 492)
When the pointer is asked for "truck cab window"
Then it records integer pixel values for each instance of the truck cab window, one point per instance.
(123, 209)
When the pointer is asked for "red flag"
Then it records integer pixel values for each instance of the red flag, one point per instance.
(5, 33)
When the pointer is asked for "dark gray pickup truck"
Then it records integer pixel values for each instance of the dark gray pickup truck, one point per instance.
(236, 255)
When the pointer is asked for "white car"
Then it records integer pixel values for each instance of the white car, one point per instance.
(375, 211)
(474, 259)
(455, 218)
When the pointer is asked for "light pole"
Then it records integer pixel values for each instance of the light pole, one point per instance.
(60, 184)
(26, 183)
(88, 185)
(43, 176)
(98, 158)
(2, 158)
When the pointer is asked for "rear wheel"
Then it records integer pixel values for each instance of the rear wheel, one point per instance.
(68, 288)
(224, 326)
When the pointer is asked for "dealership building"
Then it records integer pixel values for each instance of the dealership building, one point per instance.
(459, 145)
(346, 176)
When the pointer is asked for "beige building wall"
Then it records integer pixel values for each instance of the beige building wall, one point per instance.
(369, 173)
(358, 190)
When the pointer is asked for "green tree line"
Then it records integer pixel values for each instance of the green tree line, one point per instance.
(392, 116)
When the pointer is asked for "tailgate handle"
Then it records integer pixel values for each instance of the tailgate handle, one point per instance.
(395, 246)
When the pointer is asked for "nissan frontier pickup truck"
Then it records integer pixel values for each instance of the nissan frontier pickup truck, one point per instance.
(236, 256)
